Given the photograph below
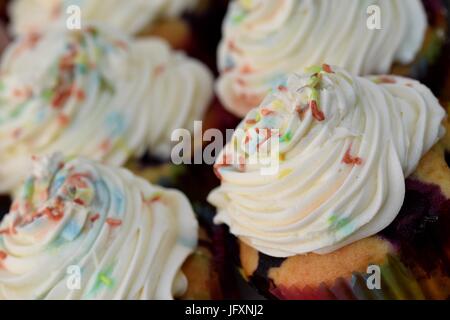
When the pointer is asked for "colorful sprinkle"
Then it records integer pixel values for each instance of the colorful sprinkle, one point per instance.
(286, 137)
(63, 120)
(95, 217)
(246, 69)
(79, 201)
(284, 173)
(282, 88)
(349, 159)
(317, 114)
(386, 79)
(266, 112)
(327, 68)
(314, 69)
(54, 214)
(103, 278)
(113, 222)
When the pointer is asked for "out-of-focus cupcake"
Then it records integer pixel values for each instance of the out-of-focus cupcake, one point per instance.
(155, 17)
(263, 40)
(313, 187)
(97, 94)
(82, 230)
(4, 38)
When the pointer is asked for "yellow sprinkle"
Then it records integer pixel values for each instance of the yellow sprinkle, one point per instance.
(277, 104)
(247, 4)
(105, 280)
(284, 173)
(282, 157)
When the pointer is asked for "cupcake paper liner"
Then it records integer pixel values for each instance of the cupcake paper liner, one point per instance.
(417, 269)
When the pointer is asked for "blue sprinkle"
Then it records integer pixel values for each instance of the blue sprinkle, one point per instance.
(115, 122)
(71, 231)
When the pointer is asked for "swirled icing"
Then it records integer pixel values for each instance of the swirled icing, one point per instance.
(129, 16)
(346, 144)
(263, 40)
(94, 93)
(127, 238)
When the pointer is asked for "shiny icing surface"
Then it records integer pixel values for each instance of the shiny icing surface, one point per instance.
(127, 238)
(263, 40)
(94, 93)
(129, 16)
(346, 144)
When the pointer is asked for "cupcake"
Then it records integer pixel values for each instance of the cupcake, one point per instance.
(121, 236)
(155, 17)
(313, 188)
(95, 93)
(263, 40)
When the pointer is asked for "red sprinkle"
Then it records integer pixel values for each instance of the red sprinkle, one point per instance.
(95, 217)
(232, 46)
(250, 121)
(16, 133)
(386, 79)
(266, 112)
(80, 95)
(60, 98)
(282, 88)
(53, 214)
(349, 159)
(317, 114)
(105, 145)
(159, 69)
(246, 69)
(63, 119)
(79, 201)
(327, 68)
(155, 199)
(113, 222)
(3, 255)
(247, 139)
(241, 81)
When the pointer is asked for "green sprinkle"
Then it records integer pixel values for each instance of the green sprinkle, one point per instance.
(105, 280)
(238, 18)
(314, 95)
(338, 223)
(313, 81)
(47, 94)
(286, 137)
(314, 69)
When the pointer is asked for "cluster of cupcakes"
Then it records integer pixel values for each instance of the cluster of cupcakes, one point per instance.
(344, 111)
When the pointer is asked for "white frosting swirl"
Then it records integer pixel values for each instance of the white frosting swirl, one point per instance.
(127, 238)
(94, 93)
(346, 144)
(129, 16)
(264, 40)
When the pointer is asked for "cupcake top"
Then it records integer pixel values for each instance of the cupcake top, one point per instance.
(127, 238)
(94, 93)
(264, 40)
(129, 16)
(342, 146)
